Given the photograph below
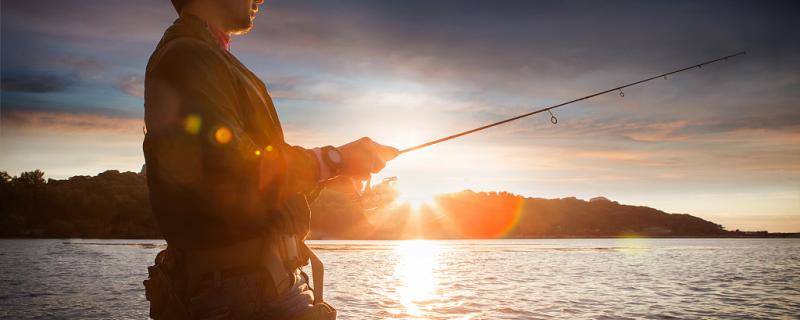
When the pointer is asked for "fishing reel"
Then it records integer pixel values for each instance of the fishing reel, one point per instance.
(371, 197)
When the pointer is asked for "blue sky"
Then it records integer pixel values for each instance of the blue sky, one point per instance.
(722, 143)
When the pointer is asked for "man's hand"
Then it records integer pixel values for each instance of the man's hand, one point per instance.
(363, 157)
(344, 184)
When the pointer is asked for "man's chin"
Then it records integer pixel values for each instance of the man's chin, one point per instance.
(243, 26)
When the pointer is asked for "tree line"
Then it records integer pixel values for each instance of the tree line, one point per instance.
(115, 204)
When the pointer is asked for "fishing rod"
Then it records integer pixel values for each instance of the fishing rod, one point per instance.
(553, 118)
(367, 188)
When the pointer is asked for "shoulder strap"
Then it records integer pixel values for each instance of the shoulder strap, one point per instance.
(318, 270)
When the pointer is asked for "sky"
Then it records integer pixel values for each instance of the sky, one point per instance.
(721, 142)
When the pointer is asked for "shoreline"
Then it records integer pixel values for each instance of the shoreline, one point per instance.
(788, 235)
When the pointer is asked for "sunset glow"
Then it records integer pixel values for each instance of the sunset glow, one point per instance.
(413, 195)
(400, 159)
(720, 142)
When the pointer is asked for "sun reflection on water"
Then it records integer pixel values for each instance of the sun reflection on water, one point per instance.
(416, 270)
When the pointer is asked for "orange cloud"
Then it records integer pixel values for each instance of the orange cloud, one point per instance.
(658, 132)
(613, 155)
(70, 122)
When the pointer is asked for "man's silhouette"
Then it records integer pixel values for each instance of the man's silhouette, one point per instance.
(229, 194)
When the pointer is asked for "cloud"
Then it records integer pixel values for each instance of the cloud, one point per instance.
(407, 71)
(66, 122)
(83, 67)
(51, 74)
(34, 84)
(512, 46)
(132, 85)
(93, 21)
(306, 88)
(659, 132)
(624, 156)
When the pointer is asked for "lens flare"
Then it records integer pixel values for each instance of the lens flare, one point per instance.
(192, 124)
(484, 215)
(223, 135)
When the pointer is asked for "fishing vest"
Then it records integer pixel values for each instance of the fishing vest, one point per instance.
(229, 194)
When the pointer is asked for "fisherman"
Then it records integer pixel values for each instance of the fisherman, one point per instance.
(229, 194)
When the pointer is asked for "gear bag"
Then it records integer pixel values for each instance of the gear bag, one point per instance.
(162, 290)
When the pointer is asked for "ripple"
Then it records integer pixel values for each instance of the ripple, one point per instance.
(140, 245)
(502, 279)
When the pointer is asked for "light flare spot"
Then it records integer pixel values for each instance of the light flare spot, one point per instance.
(223, 135)
(192, 124)
(268, 153)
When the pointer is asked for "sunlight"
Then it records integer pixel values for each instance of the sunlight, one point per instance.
(418, 260)
(413, 195)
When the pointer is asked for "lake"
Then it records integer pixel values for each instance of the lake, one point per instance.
(465, 279)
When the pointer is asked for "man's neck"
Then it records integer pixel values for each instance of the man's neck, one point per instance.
(214, 26)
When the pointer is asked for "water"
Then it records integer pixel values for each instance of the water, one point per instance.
(492, 279)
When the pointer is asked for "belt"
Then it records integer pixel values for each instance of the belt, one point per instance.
(240, 258)
(228, 273)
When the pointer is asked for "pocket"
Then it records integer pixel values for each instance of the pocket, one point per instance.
(232, 298)
(320, 311)
(208, 303)
(155, 293)
(158, 291)
(327, 311)
(157, 288)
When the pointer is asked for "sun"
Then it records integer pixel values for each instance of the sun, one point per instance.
(415, 196)
(415, 200)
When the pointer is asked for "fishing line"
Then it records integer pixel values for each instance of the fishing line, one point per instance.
(553, 118)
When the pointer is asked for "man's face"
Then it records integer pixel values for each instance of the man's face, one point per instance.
(239, 14)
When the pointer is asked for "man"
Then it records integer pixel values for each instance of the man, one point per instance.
(229, 194)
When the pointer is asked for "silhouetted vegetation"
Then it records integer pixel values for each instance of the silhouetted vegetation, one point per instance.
(109, 205)
(116, 205)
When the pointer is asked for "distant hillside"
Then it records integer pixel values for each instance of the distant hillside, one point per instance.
(469, 214)
(116, 205)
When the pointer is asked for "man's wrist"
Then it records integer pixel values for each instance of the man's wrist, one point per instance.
(333, 159)
(330, 162)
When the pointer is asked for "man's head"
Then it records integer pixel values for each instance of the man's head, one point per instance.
(178, 4)
(232, 16)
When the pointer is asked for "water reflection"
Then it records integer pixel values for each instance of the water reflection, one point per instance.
(417, 262)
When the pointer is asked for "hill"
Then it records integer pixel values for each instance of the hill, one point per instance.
(470, 214)
(116, 205)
